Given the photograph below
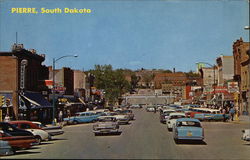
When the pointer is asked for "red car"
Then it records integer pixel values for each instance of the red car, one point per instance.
(17, 142)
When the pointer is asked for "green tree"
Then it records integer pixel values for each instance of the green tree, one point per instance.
(113, 82)
(134, 81)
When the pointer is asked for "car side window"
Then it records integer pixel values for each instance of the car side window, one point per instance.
(25, 126)
(7, 128)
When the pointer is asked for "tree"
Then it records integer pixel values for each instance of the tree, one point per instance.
(134, 81)
(147, 78)
(192, 74)
(113, 82)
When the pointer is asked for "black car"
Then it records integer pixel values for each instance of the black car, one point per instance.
(13, 131)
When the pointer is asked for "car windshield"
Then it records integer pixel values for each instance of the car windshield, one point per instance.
(177, 116)
(107, 119)
(189, 124)
(7, 128)
(112, 114)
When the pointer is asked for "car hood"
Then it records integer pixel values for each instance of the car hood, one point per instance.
(105, 124)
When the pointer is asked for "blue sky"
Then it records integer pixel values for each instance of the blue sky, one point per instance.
(129, 34)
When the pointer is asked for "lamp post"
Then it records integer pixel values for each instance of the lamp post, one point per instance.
(53, 79)
(214, 74)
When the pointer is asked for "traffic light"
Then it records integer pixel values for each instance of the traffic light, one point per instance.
(7, 102)
(1, 101)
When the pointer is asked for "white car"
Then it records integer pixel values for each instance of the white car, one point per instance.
(39, 134)
(164, 114)
(151, 109)
(121, 119)
(52, 130)
(246, 135)
(172, 119)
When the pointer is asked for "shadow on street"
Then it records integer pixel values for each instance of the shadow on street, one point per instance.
(57, 139)
(25, 152)
(192, 142)
(45, 143)
(108, 134)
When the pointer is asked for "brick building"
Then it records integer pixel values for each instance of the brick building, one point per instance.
(176, 79)
(64, 80)
(241, 73)
(22, 74)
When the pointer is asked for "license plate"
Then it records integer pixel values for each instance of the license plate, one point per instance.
(189, 134)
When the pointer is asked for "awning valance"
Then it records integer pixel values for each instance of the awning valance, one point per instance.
(36, 100)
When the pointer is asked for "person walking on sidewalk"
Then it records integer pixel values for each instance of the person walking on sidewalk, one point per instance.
(232, 112)
(224, 114)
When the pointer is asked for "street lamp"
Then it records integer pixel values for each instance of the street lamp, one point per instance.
(53, 88)
(247, 27)
(214, 73)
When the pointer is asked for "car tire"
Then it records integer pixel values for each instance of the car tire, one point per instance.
(38, 139)
(169, 129)
(177, 141)
(49, 137)
(75, 122)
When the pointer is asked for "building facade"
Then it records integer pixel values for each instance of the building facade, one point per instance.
(22, 71)
(241, 73)
(225, 67)
(64, 80)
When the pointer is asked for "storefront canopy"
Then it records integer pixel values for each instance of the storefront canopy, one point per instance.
(36, 100)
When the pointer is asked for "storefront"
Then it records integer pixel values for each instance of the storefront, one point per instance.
(33, 106)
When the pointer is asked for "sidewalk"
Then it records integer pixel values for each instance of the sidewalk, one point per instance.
(243, 119)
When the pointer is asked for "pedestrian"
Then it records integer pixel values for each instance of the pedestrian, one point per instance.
(60, 116)
(7, 118)
(224, 114)
(232, 112)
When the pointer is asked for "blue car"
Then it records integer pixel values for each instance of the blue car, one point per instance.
(211, 117)
(82, 117)
(188, 129)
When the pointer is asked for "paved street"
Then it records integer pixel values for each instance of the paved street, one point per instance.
(144, 138)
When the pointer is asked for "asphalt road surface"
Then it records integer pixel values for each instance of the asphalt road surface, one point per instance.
(144, 138)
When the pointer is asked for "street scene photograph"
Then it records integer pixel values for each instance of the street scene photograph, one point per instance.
(124, 79)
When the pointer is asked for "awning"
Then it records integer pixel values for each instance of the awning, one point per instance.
(36, 100)
(82, 101)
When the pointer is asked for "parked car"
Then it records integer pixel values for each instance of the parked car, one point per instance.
(82, 117)
(5, 148)
(187, 129)
(164, 115)
(39, 134)
(106, 125)
(246, 135)
(52, 130)
(12, 143)
(13, 131)
(172, 119)
(135, 106)
(207, 114)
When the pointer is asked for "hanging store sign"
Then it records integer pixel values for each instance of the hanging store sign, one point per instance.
(232, 87)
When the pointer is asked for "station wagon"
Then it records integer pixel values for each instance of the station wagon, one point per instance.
(82, 117)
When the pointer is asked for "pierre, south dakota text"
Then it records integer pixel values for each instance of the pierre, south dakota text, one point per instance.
(50, 11)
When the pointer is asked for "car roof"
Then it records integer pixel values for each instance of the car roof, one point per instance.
(164, 110)
(187, 119)
(23, 121)
(106, 117)
(176, 113)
